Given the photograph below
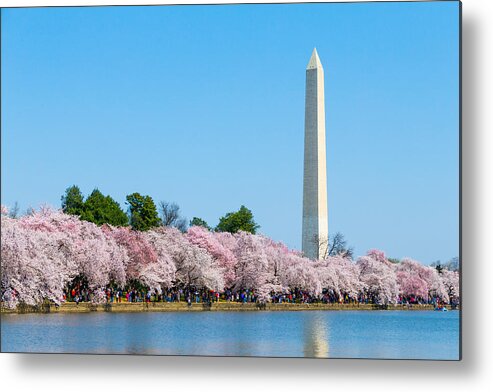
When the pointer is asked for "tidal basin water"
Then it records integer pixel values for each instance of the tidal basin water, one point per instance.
(327, 334)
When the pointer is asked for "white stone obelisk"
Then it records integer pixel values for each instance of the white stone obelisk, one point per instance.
(315, 218)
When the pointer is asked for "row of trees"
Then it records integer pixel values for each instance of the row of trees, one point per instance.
(143, 214)
(45, 252)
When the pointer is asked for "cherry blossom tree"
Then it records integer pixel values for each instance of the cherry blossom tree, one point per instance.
(141, 255)
(438, 289)
(214, 244)
(413, 278)
(32, 267)
(450, 281)
(84, 247)
(252, 266)
(194, 266)
(341, 275)
(251, 262)
(378, 278)
(301, 273)
(161, 273)
(278, 259)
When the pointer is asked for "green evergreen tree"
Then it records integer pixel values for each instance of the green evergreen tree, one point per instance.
(142, 211)
(199, 222)
(242, 220)
(73, 201)
(101, 209)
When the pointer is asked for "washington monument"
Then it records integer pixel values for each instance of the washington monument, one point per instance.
(315, 219)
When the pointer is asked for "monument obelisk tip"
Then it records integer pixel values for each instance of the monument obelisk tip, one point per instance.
(314, 62)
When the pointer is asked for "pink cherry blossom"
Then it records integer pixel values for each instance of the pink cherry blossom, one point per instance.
(378, 278)
(450, 280)
(213, 243)
(43, 252)
(194, 266)
(413, 278)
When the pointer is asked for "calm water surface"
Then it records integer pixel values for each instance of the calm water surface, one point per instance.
(333, 334)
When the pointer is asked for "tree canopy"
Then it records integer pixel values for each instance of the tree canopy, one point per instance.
(100, 209)
(241, 220)
(97, 208)
(142, 211)
(199, 222)
(73, 201)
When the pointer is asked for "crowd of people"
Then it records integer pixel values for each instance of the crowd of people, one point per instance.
(192, 295)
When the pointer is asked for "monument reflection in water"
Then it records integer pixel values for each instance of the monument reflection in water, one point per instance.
(316, 337)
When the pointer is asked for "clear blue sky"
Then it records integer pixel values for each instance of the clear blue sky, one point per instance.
(204, 106)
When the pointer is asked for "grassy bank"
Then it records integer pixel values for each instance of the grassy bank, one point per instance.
(71, 307)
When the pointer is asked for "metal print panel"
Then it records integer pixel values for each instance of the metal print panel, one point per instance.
(276, 180)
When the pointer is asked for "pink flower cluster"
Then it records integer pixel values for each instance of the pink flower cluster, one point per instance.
(44, 252)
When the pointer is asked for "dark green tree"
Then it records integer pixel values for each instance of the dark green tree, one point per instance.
(100, 209)
(73, 201)
(199, 222)
(142, 212)
(241, 220)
